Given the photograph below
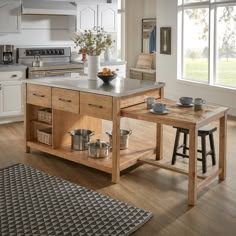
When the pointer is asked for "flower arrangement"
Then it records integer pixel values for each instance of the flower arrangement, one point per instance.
(93, 42)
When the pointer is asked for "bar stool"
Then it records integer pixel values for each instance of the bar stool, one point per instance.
(202, 132)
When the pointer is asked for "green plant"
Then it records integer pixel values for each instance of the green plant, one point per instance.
(93, 42)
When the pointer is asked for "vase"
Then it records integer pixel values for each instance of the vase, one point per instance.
(93, 67)
(108, 54)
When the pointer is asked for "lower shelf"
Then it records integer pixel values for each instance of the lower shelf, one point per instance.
(128, 157)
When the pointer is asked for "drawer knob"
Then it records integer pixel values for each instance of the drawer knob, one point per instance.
(95, 105)
(14, 76)
(64, 100)
(38, 95)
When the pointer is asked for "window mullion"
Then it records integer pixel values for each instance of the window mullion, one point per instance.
(212, 45)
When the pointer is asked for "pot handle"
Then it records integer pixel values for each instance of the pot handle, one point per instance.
(130, 132)
(69, 132)
(93, 132)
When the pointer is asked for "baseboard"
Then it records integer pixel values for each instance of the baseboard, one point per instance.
(5, 120)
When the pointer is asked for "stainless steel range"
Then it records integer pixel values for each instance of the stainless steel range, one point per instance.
(44, 62)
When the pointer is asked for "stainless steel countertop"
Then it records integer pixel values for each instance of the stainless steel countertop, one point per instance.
(118, 87)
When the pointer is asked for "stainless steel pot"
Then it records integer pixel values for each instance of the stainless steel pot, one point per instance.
(80, 138)
(124, 138)
(98, 149)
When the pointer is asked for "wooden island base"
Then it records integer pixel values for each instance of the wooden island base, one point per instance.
(72, 108)
(78, 109)
(128, 157)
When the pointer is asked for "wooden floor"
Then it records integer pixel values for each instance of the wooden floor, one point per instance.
(160, 191)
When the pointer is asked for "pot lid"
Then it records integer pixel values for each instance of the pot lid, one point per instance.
(99, 144)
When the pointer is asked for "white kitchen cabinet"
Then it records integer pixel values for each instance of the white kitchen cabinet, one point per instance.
(11, 95)
(86, 16)
(94, 15)
(11, 98)
(107, 17)
(10, 16)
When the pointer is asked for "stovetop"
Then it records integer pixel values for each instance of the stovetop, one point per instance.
(52, 58)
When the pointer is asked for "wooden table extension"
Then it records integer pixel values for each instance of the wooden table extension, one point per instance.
(185, 117)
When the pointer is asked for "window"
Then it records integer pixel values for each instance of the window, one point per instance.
(121, 29)
(207, 41)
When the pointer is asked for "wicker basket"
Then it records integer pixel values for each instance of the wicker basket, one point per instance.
(45, 115)
(45, 136)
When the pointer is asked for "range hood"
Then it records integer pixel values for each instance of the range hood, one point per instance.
(47, 7)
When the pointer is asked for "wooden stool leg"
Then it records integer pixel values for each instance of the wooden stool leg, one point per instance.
(185, 143)
(175, 147)
(212, 145)
(204, 164)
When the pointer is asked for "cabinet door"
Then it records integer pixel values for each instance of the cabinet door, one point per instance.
(107, 17)
(10, 16)
(86, 16)
(11, 98)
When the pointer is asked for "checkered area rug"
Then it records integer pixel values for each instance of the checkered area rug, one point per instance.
(35, 203)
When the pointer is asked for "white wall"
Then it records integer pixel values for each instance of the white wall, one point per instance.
(136, 10)
(134, 15)
(43, 30)
(167, 66)
(149, 9)
(46, 30)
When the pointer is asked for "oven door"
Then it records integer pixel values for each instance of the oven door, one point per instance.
(61, 73)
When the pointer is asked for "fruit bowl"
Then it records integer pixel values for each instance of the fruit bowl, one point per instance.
(106, 78)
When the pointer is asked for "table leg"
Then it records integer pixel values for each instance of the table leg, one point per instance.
(116, 141)
(192, 177)
(159, 141)
(222, 146)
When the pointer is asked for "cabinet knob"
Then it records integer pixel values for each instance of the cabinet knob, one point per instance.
(13, 76)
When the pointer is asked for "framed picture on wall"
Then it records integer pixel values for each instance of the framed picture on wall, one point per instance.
(165, 40)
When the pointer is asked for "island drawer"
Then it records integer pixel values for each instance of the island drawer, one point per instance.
(66, 100)
(39, 95)
(138, 98)
(96, 105)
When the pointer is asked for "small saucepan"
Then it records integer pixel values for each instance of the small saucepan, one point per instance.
(98, 149)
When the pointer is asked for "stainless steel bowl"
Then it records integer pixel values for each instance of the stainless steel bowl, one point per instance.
(98, 149)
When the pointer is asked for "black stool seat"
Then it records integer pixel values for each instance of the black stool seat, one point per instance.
(202, 133)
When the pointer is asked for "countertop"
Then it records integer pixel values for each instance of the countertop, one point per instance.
(118, 87)
(113, 62)
(11, 67)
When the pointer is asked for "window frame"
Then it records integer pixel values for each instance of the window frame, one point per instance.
(212, 38)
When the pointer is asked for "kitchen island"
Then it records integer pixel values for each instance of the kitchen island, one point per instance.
(79, 103)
